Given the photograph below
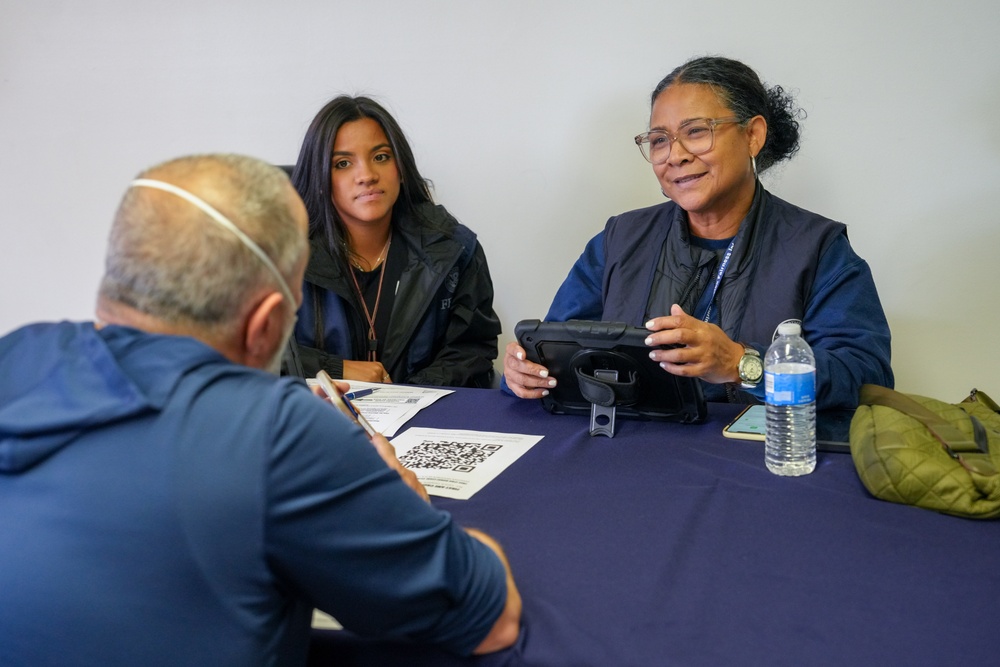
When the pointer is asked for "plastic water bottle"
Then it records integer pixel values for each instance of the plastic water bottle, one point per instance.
(790, 395)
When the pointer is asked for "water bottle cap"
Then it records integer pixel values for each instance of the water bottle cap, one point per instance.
(789, 329)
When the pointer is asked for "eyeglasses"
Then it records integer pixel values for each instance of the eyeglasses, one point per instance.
(697, 136)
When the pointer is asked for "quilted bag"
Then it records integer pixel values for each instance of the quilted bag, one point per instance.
(920, 451)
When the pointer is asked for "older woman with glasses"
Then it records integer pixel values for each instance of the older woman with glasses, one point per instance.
(716, 269)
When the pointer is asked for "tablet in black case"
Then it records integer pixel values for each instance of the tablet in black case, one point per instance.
(581, 346)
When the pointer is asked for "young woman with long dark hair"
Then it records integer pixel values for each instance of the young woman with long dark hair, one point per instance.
(397, 290)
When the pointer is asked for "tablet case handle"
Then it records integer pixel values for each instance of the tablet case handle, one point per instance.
(602, 389)
(605, 393)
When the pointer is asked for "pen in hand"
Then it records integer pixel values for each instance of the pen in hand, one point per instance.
(351, 395)
(342, 402)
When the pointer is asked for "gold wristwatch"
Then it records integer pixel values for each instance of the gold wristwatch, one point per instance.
(751, 367)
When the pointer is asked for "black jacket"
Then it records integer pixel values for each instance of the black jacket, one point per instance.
(443, 330)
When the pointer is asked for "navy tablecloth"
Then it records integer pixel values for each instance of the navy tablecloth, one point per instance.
(672, 545)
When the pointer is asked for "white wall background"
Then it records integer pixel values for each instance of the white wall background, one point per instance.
(522, 114)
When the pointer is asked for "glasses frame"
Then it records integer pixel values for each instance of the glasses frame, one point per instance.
(642, 140)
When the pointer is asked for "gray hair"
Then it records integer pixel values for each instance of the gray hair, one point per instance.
(170, 260)
(741, 90)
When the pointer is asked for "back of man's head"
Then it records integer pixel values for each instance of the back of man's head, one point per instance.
(168, 259)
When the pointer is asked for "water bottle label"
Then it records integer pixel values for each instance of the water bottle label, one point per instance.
(790, 388)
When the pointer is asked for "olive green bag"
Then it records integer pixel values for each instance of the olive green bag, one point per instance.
(919, 451)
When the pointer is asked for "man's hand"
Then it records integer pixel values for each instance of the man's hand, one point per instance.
(525, 378)
(382, 446)
(388, 454)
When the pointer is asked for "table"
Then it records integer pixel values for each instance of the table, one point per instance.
(672, 545)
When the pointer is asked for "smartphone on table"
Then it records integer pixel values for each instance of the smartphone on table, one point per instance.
(749, 424)
(832, 427)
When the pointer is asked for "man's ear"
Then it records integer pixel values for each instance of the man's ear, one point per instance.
(265, 330)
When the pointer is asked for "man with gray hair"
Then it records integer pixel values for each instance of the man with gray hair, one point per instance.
(166, 501)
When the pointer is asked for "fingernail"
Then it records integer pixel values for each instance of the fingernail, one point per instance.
(552, 382)
(651, 355)
(648, 341)
(545, 393)
(649, 324)
(520, 355)
(543, 373)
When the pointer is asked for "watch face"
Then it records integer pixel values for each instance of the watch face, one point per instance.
(751, 368)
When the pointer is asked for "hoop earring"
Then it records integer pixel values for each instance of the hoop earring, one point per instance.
(753, 163)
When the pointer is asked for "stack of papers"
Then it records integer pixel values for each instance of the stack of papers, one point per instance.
(449, 463)
(389, 406)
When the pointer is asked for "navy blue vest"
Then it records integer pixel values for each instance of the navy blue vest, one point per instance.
(777, 265)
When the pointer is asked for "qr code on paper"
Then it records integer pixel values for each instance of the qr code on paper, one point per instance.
(448, 455)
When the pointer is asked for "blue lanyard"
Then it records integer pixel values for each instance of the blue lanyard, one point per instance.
(718, 278)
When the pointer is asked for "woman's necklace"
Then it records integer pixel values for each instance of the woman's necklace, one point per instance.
(378, 260)
(370, 315)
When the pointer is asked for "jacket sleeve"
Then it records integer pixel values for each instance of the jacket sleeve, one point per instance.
(326, 306)
(469, 345)
(344, 533)
(580, 295)
(846, 327)
(313, 360)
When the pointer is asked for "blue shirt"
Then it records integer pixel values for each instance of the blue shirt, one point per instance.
(160, 505)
